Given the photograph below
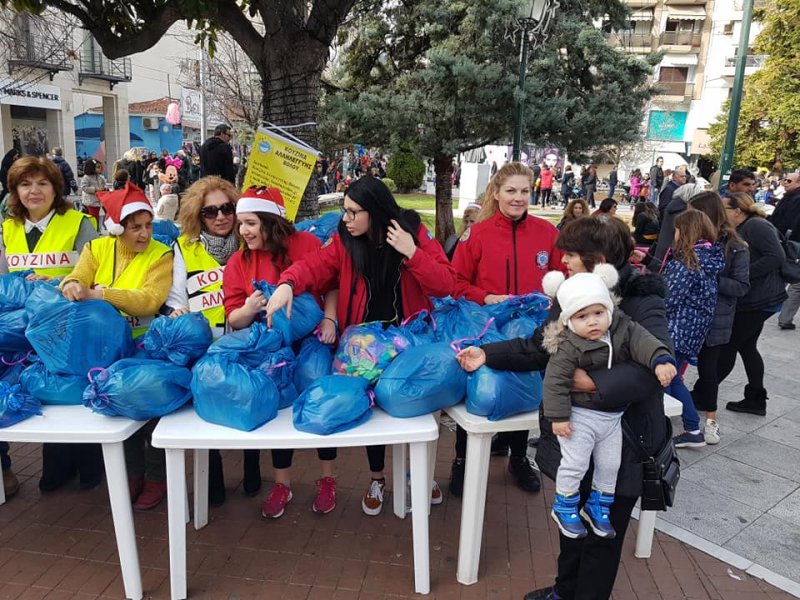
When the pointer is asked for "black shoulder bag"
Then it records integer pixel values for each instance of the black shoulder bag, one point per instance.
(790, 269)
(660, 473)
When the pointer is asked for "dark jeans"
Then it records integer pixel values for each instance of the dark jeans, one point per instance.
(516, 440)
(545, 195)
(142, 459)
(60, 461)
(706, 388)
(5, 459)
(747, 327)
(588, 567)
(677, 389)
(376, 455)
(282, 459)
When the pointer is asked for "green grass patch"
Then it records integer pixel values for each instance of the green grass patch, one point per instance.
(416, 201)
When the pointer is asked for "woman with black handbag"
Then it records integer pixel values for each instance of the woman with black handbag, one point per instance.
(587, 567)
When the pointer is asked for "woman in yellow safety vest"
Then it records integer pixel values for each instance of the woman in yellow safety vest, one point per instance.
(43, 233)
(132, 272)
(208, 239)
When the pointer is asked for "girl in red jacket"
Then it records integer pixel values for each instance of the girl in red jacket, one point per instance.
(506, 253)
(385, 264)
(272, 245)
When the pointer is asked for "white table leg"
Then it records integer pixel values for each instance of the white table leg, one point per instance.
(176, 506)
(420, 507)
(200, 488)
(644, 537)
(122, 515)
(399, 452)
(473, 506)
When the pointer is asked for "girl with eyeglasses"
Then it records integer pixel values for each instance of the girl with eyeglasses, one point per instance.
(271, 245)
(386, 265)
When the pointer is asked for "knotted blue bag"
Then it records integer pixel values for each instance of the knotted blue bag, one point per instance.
(250, 345)
(73, 337)
(231, 393)
(51, 388)
(314, 360)
(15, 405)
(280, 367)
(421, 380)
(322, 227)
(534, 305)
(140, 389)
(181, 340)
(12, 365)
(13, 324)
(306, 315)
(165, 231)
(333, 403)
(365, 350)
(500, 394)
(14, 290)
(461, 319)
(419, 329)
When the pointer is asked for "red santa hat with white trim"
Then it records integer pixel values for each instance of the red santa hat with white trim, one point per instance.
(122, 203)
(261, 199)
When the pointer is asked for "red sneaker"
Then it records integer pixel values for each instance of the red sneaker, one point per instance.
(325, 501)
(135, 488)
(277, 500)
(152, 494)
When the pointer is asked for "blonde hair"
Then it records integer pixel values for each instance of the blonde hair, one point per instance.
(189, 218)
(472, 210)
(489, 206)
(746, 204)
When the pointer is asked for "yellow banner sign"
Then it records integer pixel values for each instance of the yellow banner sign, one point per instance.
(283, 162)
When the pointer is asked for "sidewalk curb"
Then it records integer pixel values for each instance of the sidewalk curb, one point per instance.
(726, 556)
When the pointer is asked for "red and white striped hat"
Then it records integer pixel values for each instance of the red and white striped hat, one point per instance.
(261, 199)
(121, 203)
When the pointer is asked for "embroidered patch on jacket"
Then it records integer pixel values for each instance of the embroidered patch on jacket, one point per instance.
(429, 234)
(465, 236)
(328, 242)
(542, 259)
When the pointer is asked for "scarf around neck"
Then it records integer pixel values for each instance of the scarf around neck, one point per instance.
(221, 248)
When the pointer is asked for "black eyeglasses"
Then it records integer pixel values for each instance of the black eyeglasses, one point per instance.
(352, 214)
(211, 212)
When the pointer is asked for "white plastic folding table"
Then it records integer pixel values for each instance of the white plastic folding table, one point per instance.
(185, 430)
(79, 425)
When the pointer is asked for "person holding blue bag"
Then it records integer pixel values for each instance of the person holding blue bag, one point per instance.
(386, 265)
(132, 272)
(507, 252)
(271, 245)
(43, 233)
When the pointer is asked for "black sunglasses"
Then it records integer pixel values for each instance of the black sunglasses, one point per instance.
(211, 212)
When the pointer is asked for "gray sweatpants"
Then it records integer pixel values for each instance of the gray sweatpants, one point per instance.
(595, 434)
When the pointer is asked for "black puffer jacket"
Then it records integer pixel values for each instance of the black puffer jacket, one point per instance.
(642, 298)
(216, 158)
(734, 282)
(767, 288)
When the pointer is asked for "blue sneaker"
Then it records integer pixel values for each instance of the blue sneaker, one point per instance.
(689, 440)
(596, 512)
(565, 514)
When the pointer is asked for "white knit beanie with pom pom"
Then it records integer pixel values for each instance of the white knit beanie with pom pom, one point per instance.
(582, 289)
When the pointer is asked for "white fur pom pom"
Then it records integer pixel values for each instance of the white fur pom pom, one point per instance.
(551, 282)
(607, 273)
(114, 228)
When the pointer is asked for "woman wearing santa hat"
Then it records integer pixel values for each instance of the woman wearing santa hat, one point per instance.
(132, 272)
(271, 245)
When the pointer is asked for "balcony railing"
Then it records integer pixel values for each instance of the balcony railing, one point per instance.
(34, 48)
(95, 65)
(751, 60)
(632, 40)
(680, 38)
(676, 88)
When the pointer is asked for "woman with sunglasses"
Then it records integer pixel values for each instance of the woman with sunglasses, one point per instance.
(386, 265)
(271, 245)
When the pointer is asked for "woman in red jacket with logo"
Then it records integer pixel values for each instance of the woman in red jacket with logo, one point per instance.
(506, 253)
(385, 264)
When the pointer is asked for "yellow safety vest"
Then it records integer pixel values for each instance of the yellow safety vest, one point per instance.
(203, 283)
(132, 278)
(54, 254)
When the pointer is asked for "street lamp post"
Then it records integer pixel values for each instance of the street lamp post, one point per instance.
(533, 22)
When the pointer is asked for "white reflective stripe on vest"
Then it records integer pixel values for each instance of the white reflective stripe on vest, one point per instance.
(42, 260)
(205, 301)
(195, 283)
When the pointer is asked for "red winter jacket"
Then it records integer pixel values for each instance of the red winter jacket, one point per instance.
(428, 273)
(501, 256)
(546, 177)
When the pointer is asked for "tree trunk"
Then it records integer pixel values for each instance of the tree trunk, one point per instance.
(443, 167)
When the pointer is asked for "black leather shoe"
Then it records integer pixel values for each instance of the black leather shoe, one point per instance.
(745, 406)
(789, 326)
(499, 445)
(541, 594)
(521, 469)
(456, 486)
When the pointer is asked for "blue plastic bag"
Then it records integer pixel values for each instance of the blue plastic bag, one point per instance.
(51, 388)
(249, 345)
(314, 360)
(461, 319)
(366, 350)
(12, 366)
(16, 406)
(419, 329)
(520, 327)
(534, 305)
(421, 380)
(140, 389)
(73, 337)
(12, 331)
(280, 366)
(333, 403)
(165, 231)
(181, 340)
(306, 315)
(323, 227)
(500, 394)
(230, 393)
(14, 290)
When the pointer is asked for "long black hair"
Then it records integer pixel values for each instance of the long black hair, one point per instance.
(372, 257)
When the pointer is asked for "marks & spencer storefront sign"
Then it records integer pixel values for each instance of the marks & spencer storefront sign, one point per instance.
(23, 93)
